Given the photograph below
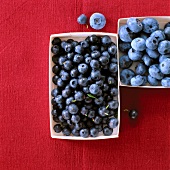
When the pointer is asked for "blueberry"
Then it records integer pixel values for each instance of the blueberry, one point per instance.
(83, 81)
(55, 79)
(124, 46)
(134, 25)
(133, 114)
(104, 60)
(75, 118)
(84, 44)
(88, 60)
(114, 60)
(54, 113)
(55, 69)
(56, 119)
(165, 66)
(66, 93)
(164, 47)
(125, 34)
(103, 48)
(97, 21)
(79, 49)
(65, 76)
(140, 69)
(138, 44)
(113, 68)
(113, 104)
(56, 41)
(69, 100)
(159, 35)
(66, 114)
(74, 43)
(137, 80)
(74, 72)
(135, 55)
(99, 101)
(57, 128)
(113, 91)
(75, 132)
(163, 57)
(61, 119)
(68, 65)
(59, 99)
(95, 54)
(105, 87)
(93, 39)
(95, 74)
(84, 111)
(167, 33)
(60, 106)
(70, 41)
(103, 111)
(55, 59)
(73, 109)
(125, 62)
(91, 114)
(152, 81)
(68, 47)
(77, 58)
(155, 72)
(63, 44)
(84, 133)
(55, 49)
(112, 49)
(66, 132)
(97, 120)
(152, 53)
(150, 25)
(113, 122)
(82, 19)
(126, 75)
(152, 43)
(61, 60)
(147, 60)
(83, 68)
(165, 82)
(106, 54)
(107, 131)
(79, 96)
(86, 90)
(54, 92)
(94, 47)
(94, 89)
(73, 83)
(94, 132)
(100, 83)
(111, 80)
(94, 64)
(106, 40)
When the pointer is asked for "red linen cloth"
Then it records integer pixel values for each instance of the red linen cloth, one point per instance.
(25, 142)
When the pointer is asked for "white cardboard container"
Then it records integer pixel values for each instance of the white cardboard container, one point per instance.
(162, 20)
(78, 36)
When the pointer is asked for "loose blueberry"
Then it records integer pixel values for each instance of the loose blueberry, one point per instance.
(82, 19)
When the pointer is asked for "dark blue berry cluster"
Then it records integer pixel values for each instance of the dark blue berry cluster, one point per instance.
(85, 98)
(148, 45)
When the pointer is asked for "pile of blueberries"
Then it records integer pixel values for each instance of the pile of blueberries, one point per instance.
(144, 44)
(85, 98)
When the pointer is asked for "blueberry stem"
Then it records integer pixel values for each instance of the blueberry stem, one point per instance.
(73, 100)
(107, 106)
(89, 95)
(87, 26)
(126, 110)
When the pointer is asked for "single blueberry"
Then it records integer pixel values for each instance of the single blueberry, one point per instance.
(82, 19)
(83, 68)
(134, 25)
(94, 132)
(113, 68)
(140, 69)
(94, 89)
(138, 44)
(83, 81)
(66, 132)
(84, 133)
(113, 104)
(73, 109)
(124, 46)
(165, 66)
(150, 25)
(155, 72)
(152, 53)
(107, 131)
(165, 82)
(147, 60)
(126, 75)
(137, 80)
(152, 43)
(113, 123)
(159, 35)
(164, 47)
(66, 114)
(152, 81)
(97, 21)
(73, 83)
(135, 55)
(55, 49)
(167, 33)
(56, 41)
(125, 62)
(57, 128)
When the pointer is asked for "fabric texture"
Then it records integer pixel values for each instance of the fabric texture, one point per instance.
(25, 142)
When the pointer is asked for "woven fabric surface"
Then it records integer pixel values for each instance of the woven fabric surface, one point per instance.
(25, 142)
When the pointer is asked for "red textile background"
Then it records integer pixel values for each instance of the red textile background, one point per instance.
(25, 142)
